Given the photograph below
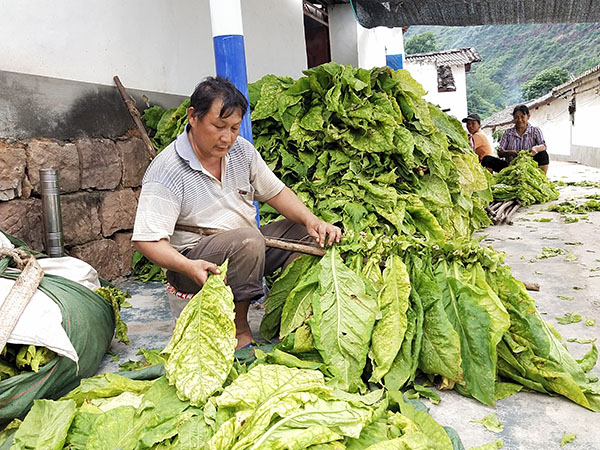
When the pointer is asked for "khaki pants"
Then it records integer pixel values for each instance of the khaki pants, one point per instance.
(249, 259)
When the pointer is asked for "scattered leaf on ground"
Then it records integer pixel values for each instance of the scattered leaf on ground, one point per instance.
(566, 297)
(567, 438)
(491, 422)
(590, 322)
(569, 318)
(549, 252)
(581, 341)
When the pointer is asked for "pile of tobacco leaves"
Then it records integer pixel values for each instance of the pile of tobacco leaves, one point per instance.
(209, 400)
(414, 293)
(524, 181)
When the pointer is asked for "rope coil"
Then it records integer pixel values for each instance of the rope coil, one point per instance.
(20, 257)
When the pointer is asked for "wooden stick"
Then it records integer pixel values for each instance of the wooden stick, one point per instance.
(269, 242)
(494, 206)
(500, 212)
(510, 215)
(135, 115)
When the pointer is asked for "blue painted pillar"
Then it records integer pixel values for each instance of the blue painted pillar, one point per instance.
(394, 48)
(230, 53)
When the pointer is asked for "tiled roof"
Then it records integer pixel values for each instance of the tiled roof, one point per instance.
(505, 117)
(454, 57)
(570, 84)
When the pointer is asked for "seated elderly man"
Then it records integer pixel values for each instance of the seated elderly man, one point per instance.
(209, 177)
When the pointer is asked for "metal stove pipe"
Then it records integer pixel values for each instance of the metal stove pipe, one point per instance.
(52, 218)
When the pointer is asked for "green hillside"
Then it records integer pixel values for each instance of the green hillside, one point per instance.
(513, 54)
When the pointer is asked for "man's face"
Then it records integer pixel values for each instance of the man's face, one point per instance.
(212, 136)
(473, 126)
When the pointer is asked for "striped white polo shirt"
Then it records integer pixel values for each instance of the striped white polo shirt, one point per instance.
(176, 189)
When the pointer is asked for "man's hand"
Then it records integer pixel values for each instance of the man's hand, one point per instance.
(199, 270)
(162, 254)
(319, 229)
(289, 205)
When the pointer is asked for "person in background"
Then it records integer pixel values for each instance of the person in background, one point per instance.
(481, 146)
(477, 139)
(209, 177)
(523, 137)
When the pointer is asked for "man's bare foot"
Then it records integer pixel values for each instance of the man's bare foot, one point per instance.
(243, 339)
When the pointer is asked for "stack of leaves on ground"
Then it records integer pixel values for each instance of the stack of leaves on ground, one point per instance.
(207, 400)
(453, 313)
(524, 181)
(363, 149)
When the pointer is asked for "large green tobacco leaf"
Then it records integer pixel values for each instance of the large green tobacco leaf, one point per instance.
(467, 309)
(106, 385)
(342, 321)
(388, 333)
(440, 348)
(291, 438)
(193, 434)
(298, 306)
(200, 353)
(531, 354)
(154, 418)
(279, 292)
(339, 418)
(404, 367)
(248, 405)
(46, 425)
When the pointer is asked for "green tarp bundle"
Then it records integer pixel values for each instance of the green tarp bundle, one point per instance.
(89, 324)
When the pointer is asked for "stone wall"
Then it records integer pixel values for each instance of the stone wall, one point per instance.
(99, 181)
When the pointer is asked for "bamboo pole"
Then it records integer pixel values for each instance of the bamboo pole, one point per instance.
(269, 242)
(135, 115)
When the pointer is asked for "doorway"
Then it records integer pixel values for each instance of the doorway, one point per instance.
(316, 33)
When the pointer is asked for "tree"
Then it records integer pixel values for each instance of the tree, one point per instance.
(421, 43)
(543, 82)
(484, 96)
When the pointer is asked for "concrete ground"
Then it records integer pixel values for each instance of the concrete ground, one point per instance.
(531, 421)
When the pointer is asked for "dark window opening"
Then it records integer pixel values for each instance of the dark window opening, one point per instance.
(316, 32)
(445, 79)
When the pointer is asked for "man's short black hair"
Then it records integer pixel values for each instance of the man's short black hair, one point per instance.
(221, 88)
(522, 108)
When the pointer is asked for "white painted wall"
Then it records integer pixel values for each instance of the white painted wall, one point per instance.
(343, 35)
(358, 46)
(370, 46)
(587, 115)
(553, 120)
(426, 74)
(274, 35)
(155, 45)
